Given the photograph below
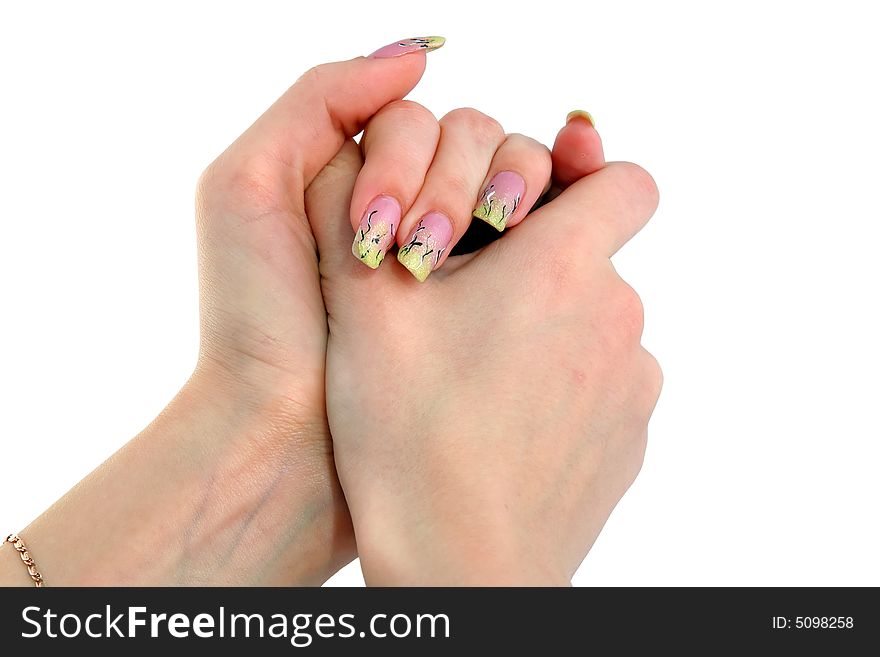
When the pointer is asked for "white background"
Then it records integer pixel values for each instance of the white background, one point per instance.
(759, 272)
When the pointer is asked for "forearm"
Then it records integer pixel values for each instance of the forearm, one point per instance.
(217, 490)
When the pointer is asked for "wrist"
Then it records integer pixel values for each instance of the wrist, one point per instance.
(279, 501)
(222, 488)
(461, 554)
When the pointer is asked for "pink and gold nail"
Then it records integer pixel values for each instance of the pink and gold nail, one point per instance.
(406, 46)
(426, 244)
(501, 199)
(376, 231)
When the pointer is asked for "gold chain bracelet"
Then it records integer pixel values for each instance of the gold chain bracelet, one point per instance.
(26, 557)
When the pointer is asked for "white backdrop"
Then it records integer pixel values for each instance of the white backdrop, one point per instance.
(759, 272)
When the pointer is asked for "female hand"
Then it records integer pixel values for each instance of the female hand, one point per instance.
(234, 482)
(486, 422)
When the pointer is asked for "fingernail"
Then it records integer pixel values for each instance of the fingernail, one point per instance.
(581, 114)
(500, 199)
(406, 46)
(376, 231)
(426, 244)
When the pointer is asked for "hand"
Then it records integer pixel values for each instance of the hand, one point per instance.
(486, 422)
(264, 325)
(234, 482)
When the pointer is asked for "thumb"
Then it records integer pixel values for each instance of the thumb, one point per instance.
(577, 152)
(306, 127)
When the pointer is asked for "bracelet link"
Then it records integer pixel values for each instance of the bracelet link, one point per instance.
(27, 559)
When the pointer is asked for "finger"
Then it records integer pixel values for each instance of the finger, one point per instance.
(519, 174)
(442, 211)
(398, 145)
(577, 151)
(306, 127)
(329, 198)
(604, 209)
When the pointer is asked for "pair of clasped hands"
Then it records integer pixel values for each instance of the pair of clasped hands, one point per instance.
(451, 419)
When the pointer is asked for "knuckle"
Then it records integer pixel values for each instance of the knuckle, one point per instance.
(410, 111)
(537, 156)
(620, 317)
(656, 373)
(234, 182)
(627, 313)
(455, 185)
(653, 379)
(528, 142)
(313, 76)
(637, 184)
(399, 113)
(480, 126)
(637, 458)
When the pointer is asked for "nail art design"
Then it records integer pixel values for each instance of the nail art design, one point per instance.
(426, 245)
(406, 46)
(581, 114)
(500, 199)
(376, 231)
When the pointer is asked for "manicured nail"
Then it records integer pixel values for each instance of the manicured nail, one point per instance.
(581, 114)
(500, 199)
(376, 231)
(407, 46)
(426, 245)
